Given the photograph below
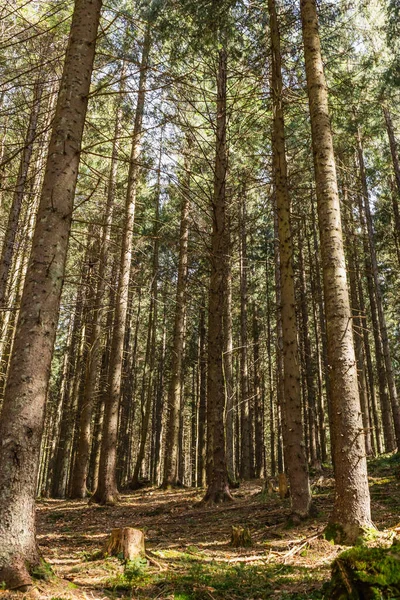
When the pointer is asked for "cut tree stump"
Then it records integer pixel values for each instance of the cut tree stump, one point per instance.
(241, 537)
(126, 542)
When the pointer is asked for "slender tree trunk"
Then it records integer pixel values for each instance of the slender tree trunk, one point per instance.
(245, 446)
(379, 303)
(387, 425)
(295, 456)
(228, 366)
(202, 360)
(148, 384)
(351, 511)
(315, 294)
(218, 485)
(272, 411)
(357, 327)
(315, 460)
(174, 389)
(22, 417)
(395, 154)
(107, 492)
(258, 403)
(79, 476)
(18, 196)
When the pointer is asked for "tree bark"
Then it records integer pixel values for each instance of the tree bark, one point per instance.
(245, 431)
(379, 303)
(107, 491)
(79, 476)
(174, 389)
(217, 472)
(22, 418)
(295, 456)
(18, 196)
(351, 511)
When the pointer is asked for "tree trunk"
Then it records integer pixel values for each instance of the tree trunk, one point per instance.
(174, 389)
(228, 369)
(18, 196)
(258, 403)
(314, 455)
(352, 502)
(245, 439)
(202, 412)
(79, 476)
(295, 456)
(218, 486)
(107, 492)
(379, 303)
(22, 418)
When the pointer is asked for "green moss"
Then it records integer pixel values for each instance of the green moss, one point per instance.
(366, 573)
(350, 535)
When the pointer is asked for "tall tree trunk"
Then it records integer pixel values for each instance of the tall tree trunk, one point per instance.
(258, 397)
(107, 491)
(379, 303)
(218, 486)
(357, 326)
(295, 456)
(148, 382)
(22, 417)
(272, 410)
(174, 389)
(351, 511)
(79, 476)
(395, 154)
(18, 196)
(314, 455)
(202, 412)
(388, 433)
(245, 439)
(228, 366)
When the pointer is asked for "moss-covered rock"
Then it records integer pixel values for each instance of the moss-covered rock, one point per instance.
(366, 574)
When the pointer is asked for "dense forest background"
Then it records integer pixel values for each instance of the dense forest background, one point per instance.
(196, 287)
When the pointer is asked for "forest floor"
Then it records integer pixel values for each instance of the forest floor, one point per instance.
(189, 547)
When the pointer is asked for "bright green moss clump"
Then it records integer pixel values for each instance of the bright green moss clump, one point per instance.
(366, 574)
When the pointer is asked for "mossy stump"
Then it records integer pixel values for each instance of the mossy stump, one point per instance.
(127, 543)
(241, 537)
(366, 574)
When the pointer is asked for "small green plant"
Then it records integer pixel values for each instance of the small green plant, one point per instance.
(135, 568)
(42, 571)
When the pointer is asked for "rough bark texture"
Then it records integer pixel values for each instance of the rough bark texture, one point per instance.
(22, 418)
(217, 473)
(107, 492)
(126, 542)
(295, 456)
(352, 503)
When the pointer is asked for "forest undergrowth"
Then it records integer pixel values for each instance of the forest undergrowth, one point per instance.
(189, 556)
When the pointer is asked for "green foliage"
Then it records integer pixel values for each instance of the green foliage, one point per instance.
(42, 571)
(135, 572)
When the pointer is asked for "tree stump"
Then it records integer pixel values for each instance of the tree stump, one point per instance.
(127, 543)
(241, 537)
